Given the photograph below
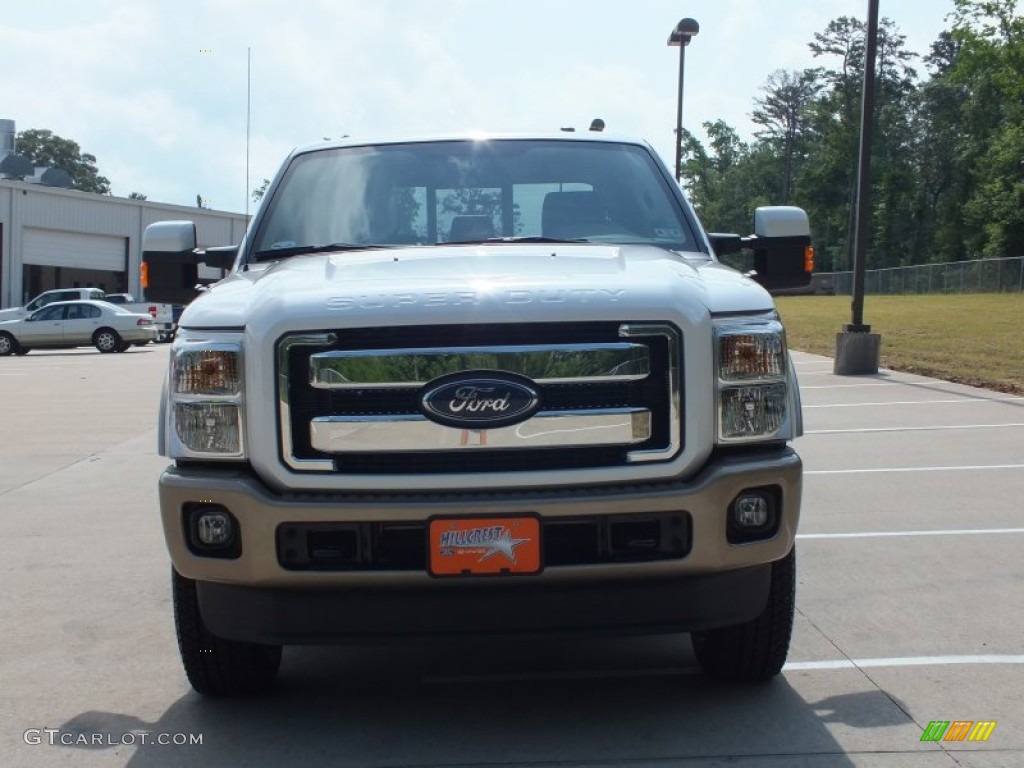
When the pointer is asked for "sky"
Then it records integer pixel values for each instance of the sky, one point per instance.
(157, 89)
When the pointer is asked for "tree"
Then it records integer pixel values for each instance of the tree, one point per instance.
(782, 113)
(829, 186)
(46, 149)
(990, 65)
(728, 182)
(136, 196)
(947, 175)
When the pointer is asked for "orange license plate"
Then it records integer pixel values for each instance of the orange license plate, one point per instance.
(484, 546)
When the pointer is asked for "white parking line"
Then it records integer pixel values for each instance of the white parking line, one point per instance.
(793, 666)
(912, 661)
(908, 429)
(958, 401)
(885, 534)
(851, 386)
(910, 469)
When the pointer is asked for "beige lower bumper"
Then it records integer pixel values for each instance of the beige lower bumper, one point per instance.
(705, 498)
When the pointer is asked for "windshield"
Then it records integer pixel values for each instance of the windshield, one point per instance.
(472, 191)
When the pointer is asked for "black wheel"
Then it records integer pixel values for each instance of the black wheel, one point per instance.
(106, 340)
(124, 346)
(8, 345)
(757, 649)
(22, 351)
(215, 666)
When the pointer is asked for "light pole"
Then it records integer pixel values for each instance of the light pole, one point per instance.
(684, 31)
(858, 350)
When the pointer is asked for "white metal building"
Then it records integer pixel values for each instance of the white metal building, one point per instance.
(62, 238)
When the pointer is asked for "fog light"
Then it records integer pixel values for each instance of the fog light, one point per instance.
(214, 529)
(754, 515)
(750, 511)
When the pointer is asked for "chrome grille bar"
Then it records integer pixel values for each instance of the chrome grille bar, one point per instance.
(674, 388)
(414, 432)
(543, 363)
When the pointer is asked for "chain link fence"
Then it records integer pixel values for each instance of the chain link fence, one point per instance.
(980, 276)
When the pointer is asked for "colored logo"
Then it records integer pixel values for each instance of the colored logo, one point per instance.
(484, 546)
(479, 400)
(958, 730)
(490, 541)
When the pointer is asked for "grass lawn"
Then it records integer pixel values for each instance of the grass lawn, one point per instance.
(974, 339)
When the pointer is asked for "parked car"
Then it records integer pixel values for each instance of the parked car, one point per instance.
(50, 297)
(76, 324)
(162, 314)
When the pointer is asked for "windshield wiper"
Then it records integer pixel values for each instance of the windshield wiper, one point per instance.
(524, 239)
(296, 250)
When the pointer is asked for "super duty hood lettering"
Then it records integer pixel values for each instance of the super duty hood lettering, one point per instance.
(471, 298)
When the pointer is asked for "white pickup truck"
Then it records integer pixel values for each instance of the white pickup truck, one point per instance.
(162, 314)
(479, 385)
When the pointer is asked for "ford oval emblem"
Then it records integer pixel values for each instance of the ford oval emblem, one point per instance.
(479, 399)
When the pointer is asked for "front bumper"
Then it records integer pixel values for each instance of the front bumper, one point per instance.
(253, 596)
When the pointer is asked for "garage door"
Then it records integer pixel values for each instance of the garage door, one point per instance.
(51, 248)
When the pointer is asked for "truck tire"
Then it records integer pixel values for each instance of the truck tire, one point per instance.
(8, 345)
(215, 666)
(106, 340)
(757, 649)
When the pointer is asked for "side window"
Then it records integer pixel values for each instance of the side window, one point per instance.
(66, 296)
(53, 313)
(82, 311)
(41, 301)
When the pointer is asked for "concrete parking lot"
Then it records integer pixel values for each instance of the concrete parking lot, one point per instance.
(910, 610)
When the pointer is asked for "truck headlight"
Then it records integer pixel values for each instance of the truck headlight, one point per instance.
(213, 369)
(206, 389)
(209, 427)
(753, 386)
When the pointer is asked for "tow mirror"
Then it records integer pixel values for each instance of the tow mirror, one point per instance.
(171, 261)
(781, 243)
(783, 256)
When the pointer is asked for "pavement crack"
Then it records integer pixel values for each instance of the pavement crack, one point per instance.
(867, 676)
(49, 474)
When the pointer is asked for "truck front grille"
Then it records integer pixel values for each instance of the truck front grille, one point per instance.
(350, 399)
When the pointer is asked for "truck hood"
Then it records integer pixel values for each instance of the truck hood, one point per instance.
(503, 282)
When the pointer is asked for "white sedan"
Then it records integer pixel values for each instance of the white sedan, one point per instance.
(77, 324)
